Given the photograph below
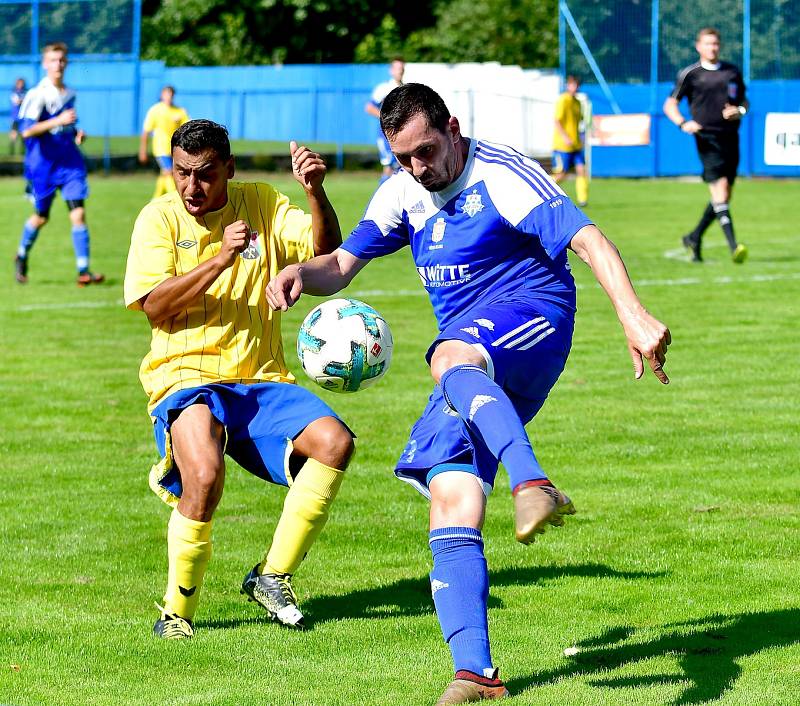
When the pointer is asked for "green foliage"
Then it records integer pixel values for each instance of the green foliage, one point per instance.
(196, 32)
(521, 32)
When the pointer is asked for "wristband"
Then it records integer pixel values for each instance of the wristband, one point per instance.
(682, 123)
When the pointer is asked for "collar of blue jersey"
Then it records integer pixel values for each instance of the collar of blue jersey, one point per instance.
(440, 198)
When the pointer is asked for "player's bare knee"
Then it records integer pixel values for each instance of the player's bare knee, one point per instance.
(449, 354)
(326, 440)
(202, 488)
(77, 216)
(335, 446)
(37, 221)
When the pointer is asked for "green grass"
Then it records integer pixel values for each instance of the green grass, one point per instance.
(677, 580)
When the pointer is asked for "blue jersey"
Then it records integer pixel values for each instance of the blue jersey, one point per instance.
(500, 230)
(17, 95)
(379, 93)
(52, 158)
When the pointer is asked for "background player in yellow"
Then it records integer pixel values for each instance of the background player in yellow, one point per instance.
(199, 261)
(161, 121)
(567, 143)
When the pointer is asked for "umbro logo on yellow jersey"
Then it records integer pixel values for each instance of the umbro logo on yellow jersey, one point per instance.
(185, 244)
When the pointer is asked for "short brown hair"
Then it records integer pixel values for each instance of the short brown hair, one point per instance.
(708, 30)
(55, 46)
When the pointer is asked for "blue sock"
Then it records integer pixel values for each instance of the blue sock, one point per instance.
(29, 235)
(80, 241)
(460, 587)
(486, 409)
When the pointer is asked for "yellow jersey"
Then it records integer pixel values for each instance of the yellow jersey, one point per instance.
(229, 334)
(568, 113)
(162, 120)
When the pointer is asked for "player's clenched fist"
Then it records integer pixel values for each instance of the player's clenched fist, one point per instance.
(285, 288)
(308, 167)
(234, 240)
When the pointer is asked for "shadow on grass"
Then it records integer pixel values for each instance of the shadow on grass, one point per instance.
(707, 650)
(408, 597)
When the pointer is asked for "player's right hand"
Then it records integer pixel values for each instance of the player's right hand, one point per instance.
(691, 127)
(68, 117)
(235, 239)
(285, 288)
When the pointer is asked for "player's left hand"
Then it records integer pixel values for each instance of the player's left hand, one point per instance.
(731, 112)
(80, 137)
(647, 338)
(308, 168)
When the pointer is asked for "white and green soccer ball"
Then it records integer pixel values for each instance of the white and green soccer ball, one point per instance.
(344, 345)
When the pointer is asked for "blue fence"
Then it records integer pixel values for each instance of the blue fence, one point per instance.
(672, 152)
(325, 103)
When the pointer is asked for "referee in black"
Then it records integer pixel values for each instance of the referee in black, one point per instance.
(716, 94)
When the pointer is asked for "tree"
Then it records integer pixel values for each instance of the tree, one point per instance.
(521, 32)
(228, 32)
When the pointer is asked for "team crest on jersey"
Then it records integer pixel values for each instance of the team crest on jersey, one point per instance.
(185, 244)
(733, 90)
(438, 230)
(472, 204)
(251, 252)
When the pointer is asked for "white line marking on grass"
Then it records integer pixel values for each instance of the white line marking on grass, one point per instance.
(376, 293)
(56, 306)
(671, 282)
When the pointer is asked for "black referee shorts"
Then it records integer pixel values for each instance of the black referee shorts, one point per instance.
(719, 153)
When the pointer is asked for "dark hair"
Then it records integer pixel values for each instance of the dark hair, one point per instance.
(169, 88)
(409, 100)
(571, 78)
(200, 135)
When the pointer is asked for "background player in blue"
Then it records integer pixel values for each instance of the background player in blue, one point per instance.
(489, 230)
(17, 94)
(47, 122)
(397, 68)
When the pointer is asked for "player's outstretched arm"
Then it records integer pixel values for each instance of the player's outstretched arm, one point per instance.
(321, 276)
(309, 170)
(647, 337)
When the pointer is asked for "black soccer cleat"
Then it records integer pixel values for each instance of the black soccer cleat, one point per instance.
(21, 269)
(274, 593)
(693, 246)
(172, 627)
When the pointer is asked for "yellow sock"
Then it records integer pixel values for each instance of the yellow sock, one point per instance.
(189, 549)
(305, 512)
(582, 188)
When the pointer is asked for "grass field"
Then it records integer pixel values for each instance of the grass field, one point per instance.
(676, 582)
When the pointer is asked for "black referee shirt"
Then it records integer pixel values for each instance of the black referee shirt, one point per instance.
(708, 91)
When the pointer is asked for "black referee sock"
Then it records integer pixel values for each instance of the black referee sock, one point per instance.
(703, 223)
(724, 217)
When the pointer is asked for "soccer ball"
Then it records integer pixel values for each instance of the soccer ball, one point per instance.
(344, 345)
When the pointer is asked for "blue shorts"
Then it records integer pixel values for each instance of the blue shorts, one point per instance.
(164, 161)
(525, 345)
(74, 187)
(564, 161)
(260, 421)
(385, 153)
